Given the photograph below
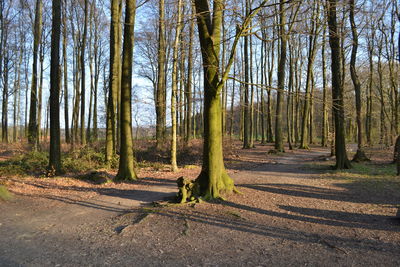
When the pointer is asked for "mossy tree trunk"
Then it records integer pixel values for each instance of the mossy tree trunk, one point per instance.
(126, 169)
(213, 179)
(342, 161)
(55, 86)
(114, 83)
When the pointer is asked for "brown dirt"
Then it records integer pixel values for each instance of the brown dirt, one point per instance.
(292, 211)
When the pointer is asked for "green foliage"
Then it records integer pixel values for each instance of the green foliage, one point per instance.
(85, 159)
(32, 163)
(4, 193)
(36, 162)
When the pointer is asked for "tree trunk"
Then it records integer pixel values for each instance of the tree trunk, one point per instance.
(37, 33)
(246, 115)
(281, 79)
(271, 57)
(55, 150)
(83, 80)
(307, 99)
(342, 161)
(325, 123)
(4, 117)
(40, 91)
(174, 166)
(189, 85)
(126, 169)
(161, 88)
(360, 155)
(114, 85)
(66, 101)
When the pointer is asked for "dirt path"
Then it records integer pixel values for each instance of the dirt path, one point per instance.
(290, 213)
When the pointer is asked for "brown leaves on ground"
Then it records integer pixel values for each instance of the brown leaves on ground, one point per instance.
(293, 210)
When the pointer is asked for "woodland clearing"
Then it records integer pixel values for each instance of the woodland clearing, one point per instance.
(293, 210)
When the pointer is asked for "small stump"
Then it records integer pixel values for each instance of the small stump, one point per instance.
(188, 190)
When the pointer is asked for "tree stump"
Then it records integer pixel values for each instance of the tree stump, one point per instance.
(188, 190)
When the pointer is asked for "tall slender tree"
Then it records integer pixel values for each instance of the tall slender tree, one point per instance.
(281, 78)
(189, 80)
(174, 90)
(161, 89)
(360, 155)
(126, 170)
(114, 80)
(83, 80)
(37, 33)
(342, 161)
(65, 72)
(55, 145)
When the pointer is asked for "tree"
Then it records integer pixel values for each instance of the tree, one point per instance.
(189, 79)
(281, 78)
(311, 57)
(83, 81)
(64, 49)
(161, 90)
(55, 151)
(213, 179)
(114, 79)
(342, 161)
(126, 170)
(37, 33)
(360, 155)
(246, 112)
(178, 28)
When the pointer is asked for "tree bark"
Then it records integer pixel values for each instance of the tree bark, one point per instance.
(37, 33)
(126, 170)
(83, 80)
(312, 43)
(360, 155)
(66, 100)
(114, 84)
(55, 150)
(281, 79)
(342, 161)
(161, 88)
(189, 80)
(174, 166)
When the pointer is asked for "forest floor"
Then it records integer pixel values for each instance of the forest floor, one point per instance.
(293, 210)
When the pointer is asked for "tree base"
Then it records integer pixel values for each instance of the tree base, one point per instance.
(304, 147)
(343, 165)
(360, 156)
(126, 176)
(213, 188)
